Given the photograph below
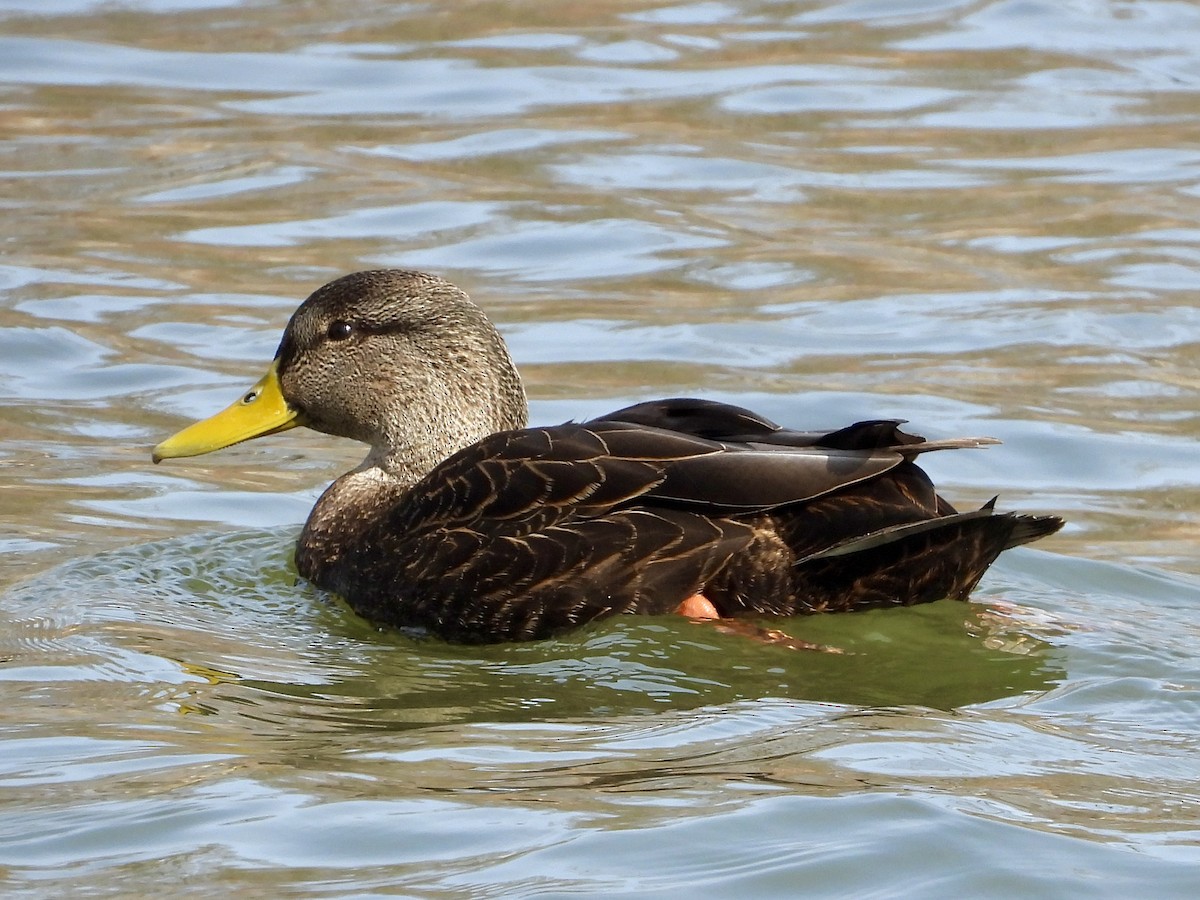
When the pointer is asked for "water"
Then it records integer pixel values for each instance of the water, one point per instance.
(982, 217)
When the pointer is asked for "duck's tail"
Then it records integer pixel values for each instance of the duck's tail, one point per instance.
(1027, 529)
(914, 563)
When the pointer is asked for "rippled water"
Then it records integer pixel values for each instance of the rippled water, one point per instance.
(980, 216)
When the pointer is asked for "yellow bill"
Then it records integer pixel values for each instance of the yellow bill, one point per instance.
(262, 410)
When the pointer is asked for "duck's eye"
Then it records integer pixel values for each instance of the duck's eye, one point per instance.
(339, 331)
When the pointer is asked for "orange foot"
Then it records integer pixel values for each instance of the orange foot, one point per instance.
(774, 636)
(698, 606)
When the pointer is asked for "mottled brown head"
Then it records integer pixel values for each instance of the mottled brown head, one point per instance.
(400, 360)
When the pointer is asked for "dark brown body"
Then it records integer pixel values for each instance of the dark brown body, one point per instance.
(531, 532)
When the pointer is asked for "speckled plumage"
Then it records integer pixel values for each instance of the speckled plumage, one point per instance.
(463, 521)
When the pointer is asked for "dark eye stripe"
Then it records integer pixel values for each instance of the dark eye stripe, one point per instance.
(390, 328)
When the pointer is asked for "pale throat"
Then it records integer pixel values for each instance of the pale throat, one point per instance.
(341, 518)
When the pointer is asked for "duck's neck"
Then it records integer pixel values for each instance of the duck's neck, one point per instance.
(344, 516)
(341, 518)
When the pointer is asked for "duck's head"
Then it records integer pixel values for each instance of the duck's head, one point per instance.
(402, 361)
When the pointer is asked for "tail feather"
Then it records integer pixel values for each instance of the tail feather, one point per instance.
(1032, 528)
(914, 563)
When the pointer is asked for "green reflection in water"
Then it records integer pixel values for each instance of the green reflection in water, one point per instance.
(226, 615)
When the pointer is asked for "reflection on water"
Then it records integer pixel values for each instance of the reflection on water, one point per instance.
(224, 618)
(979, 216)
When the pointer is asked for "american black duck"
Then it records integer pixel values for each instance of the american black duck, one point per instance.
(463, 521)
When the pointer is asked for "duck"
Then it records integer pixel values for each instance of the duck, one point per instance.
(466, 523)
